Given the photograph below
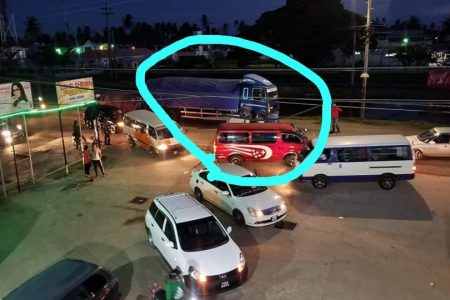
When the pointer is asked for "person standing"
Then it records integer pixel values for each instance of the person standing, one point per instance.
(87, 160)
(335, 111)
(76, 134)
(174, 288)
(107, 133)
(97, 160)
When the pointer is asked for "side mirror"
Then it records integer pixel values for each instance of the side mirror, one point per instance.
(225, 193)
(229, 229)
(169, 244)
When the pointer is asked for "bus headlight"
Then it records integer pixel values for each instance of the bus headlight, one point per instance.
(162, 147)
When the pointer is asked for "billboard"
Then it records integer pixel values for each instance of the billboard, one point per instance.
(75, 91)
(15, 97)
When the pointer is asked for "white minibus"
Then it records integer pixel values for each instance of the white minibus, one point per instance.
(382, 158)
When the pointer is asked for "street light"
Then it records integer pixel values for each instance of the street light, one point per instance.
(9, 140)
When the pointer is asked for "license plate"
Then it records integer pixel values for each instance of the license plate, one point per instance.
(274, 218)
(224, 284)
(175, 152)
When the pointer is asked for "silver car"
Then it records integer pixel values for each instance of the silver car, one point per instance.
(433, 142)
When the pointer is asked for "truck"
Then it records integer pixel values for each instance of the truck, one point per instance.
(252, 97)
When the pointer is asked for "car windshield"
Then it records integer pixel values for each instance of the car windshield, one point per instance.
(427, 135)
(244, 191)
(201, 234)
(164, 133)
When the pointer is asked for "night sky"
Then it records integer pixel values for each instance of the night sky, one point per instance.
(52, 14)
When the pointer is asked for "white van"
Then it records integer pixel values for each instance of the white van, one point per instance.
(382, 158)
(144, 129)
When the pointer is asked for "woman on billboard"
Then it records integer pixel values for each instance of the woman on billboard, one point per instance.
(17, 93)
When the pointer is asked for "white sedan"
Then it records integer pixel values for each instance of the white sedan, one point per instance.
(255, 206)
(433, 142)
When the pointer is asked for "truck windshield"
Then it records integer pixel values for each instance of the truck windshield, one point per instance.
(164, 133)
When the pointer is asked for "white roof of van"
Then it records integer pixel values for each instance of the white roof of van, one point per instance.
(235, 170)
(145, 116)
(442, 129)
(183, 207)
(365, 140)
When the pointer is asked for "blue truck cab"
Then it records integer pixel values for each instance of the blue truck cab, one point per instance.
(253, 96)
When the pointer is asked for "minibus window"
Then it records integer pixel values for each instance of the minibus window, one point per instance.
(164, 133)
(352, 154)
(387, 153)
(291, 138)
(152, 132)
(233, 138)
(264, 138)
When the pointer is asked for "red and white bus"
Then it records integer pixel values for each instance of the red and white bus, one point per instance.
(258, 142)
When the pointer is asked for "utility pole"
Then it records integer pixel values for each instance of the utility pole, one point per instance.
(365, 74)
(107, 11)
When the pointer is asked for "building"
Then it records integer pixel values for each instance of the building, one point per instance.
(124, 58)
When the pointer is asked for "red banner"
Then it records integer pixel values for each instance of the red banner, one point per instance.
(439, 80)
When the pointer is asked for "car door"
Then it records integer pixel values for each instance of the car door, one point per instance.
(207, 187)
(290, 143)
(172, 253)
(157, 231)
(265, 146)
(223, 201)
(441, 145)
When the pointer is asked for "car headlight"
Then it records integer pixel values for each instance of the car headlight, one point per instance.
(255, 213)
(197, 275)
(283, 205)
(120, 124)
(18, 126)
(241, 265)
(162, 147)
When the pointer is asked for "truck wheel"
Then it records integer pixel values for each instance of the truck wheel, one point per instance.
(289, 160)
(236, 159)
(320, 181)
(418, 154)
(387, 181)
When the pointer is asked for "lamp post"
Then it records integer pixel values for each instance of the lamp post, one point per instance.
(9, 140)
(365, 74)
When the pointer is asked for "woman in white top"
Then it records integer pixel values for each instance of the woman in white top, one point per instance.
(97, 160)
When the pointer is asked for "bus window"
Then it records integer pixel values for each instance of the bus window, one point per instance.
(352, 154)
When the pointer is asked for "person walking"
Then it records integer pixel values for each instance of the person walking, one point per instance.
(97, 160)
(335, 111)
(107, 133)
(174, 288)
(76, 134)
(87, 160)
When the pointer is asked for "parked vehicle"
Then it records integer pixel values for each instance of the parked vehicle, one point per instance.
(215, 99)
(433, 142)
(10, 131)
(69, 279)
(144, 129)
(258, 142)
(191, 238)
(382, 158)
(104, 114)
(254, 206)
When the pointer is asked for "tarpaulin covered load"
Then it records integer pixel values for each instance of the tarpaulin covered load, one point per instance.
(189, 92)
(439, 80)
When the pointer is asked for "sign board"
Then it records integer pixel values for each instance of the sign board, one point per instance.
(15, 97)
(75, 91)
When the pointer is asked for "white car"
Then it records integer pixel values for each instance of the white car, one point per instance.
(255, 206)
(190, 238)
(433, 142)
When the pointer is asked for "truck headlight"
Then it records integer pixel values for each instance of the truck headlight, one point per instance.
(241, 265)
(255, 213)
(197, 275)
(162, 147)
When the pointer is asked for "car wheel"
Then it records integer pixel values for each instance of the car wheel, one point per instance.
(236, 159)
(418, 154)
(238, 218)
(289, 160)
(112, 129)
(198, 195)
(320, 181)
(386, 182)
